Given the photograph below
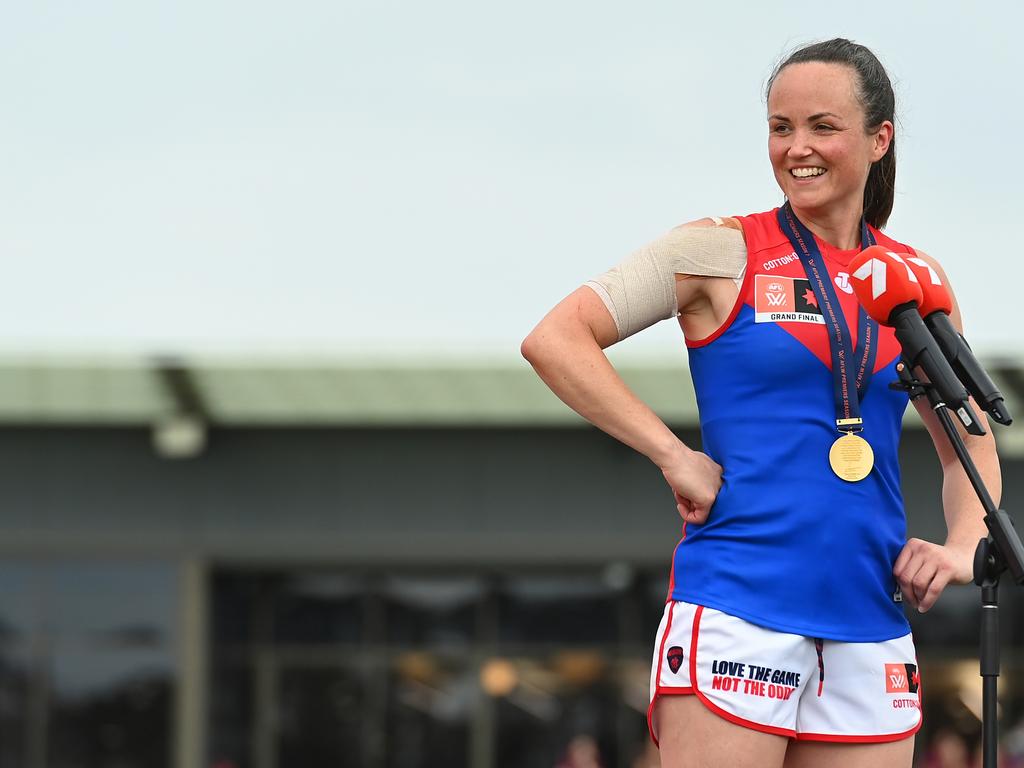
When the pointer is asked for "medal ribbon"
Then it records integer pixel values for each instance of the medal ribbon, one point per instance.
(844, 357)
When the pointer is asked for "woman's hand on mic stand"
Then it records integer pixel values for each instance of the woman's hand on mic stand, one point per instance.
(924, 569)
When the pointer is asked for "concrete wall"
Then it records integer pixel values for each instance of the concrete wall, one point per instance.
(468, 495)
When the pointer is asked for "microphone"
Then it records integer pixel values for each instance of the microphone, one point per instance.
(891, 293)
(935, 309)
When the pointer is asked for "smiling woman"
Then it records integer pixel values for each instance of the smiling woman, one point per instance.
(831, 138)
(785, 610)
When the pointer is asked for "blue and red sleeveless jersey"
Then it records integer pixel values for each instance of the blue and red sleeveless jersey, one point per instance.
(789, 545)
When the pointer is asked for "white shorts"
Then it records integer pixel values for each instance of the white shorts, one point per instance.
(790, 685)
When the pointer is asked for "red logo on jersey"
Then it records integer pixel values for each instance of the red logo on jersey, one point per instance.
(774, 294)
(901, 678)
(785, 300)
(675, 658)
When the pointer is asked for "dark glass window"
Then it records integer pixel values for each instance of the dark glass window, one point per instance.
(19, 601)
(240, 609)
(564, 609)
(432, 610)
(86, 663)
(431, 700)
(511, 670)
(301, 608)
(111, 639)
(322, 717)
(124, 605)
(559, 708)
(231, 704)
(15, 703)
(19, 698)
(324, 608)
(110, 707)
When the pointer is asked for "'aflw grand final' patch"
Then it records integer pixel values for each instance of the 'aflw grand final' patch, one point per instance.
(785, 300)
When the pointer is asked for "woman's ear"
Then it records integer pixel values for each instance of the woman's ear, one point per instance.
(883, 138)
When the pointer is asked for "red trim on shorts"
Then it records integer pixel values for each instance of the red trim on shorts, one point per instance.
(657, 674)
(650, 716)
(841, 739)
(740, 301)
(736, 719)
(663, 690)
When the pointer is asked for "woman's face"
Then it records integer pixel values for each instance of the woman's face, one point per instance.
(817, 144)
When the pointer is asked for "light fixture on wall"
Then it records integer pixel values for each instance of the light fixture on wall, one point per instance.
(179, 436)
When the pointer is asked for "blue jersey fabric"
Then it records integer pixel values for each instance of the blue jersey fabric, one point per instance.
(788, 545)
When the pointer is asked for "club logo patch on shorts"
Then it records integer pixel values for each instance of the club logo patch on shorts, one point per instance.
(901, 678)
(674, 658)
(785, 300)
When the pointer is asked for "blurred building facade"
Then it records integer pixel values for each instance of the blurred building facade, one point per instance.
(242, 567)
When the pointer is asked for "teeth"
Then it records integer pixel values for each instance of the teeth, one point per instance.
(803, 173)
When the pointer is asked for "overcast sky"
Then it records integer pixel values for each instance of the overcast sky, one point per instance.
(410, 179)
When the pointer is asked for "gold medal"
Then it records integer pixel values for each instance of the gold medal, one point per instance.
(851, 457)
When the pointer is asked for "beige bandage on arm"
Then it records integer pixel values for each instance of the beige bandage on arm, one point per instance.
(641, 290)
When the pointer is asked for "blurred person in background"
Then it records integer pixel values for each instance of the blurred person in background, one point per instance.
(1013, 743)
(947, 749)
(581, 752)
(783, 640)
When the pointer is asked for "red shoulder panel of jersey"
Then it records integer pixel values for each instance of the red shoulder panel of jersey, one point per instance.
(780, 293)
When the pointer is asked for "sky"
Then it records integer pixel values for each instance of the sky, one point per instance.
(422, 181)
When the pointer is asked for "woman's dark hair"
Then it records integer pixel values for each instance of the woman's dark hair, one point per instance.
(874, 91)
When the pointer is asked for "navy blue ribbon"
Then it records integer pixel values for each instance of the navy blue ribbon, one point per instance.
(844, 357)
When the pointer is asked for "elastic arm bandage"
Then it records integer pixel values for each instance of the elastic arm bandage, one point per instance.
(641, 290)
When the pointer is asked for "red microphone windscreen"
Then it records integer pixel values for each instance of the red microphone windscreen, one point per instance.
(883, 281)
(935, 295)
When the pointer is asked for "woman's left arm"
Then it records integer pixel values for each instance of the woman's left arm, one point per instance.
(923, 569)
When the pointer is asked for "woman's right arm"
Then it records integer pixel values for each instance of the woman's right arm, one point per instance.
(567, 351)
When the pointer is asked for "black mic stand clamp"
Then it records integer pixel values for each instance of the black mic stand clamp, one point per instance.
(1000, 551)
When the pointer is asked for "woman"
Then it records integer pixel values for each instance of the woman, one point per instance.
(784, 641)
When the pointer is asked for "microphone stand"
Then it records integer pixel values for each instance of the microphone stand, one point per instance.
(1001, 550)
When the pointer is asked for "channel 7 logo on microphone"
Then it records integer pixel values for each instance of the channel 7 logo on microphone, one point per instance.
(901, 678)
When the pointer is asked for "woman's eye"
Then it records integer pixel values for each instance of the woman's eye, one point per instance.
(823, 127)
(780, 129)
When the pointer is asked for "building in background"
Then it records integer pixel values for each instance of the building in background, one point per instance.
(228, 566)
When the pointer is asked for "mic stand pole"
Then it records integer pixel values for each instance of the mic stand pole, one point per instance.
(1001, 550)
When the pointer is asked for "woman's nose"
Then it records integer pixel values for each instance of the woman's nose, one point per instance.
(799, 146)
